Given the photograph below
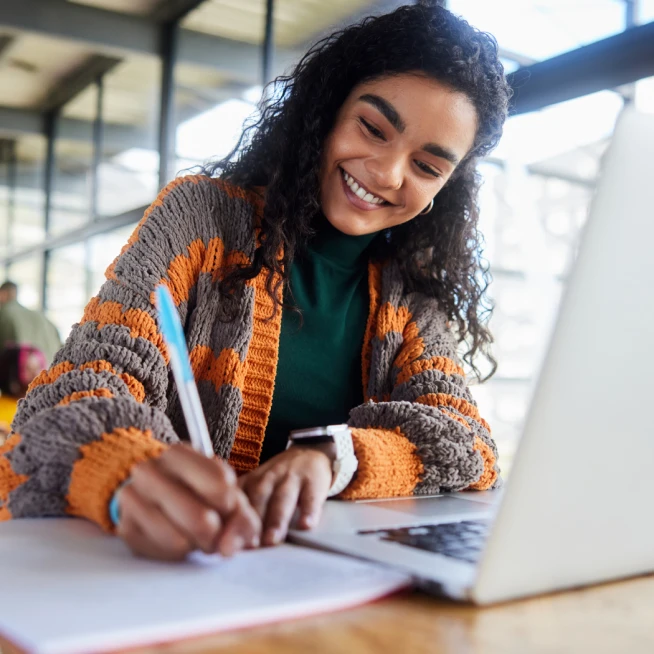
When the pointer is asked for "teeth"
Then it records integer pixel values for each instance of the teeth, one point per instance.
(360, 192)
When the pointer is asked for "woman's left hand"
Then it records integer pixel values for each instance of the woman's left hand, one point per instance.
(299, 478)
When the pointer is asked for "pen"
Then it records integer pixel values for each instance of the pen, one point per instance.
(173, 334)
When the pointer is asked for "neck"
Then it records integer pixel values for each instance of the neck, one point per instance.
(339, 248)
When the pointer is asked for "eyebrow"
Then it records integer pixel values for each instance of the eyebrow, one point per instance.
(393, 117)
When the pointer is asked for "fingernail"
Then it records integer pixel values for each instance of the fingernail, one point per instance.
(255, 541)
(237, 543)
(309, 521)
(275, 536)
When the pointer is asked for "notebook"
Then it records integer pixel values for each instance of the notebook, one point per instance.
(67, 587)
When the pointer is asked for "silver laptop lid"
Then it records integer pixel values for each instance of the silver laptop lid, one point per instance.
(578, 505)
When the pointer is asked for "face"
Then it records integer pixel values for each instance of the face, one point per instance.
(395, 143)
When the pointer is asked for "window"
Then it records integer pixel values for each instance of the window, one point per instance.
(72, 196)
(26, 273)
(66, 280)
(129, 166)
(103, 249)
(562, 24)
(537, 190)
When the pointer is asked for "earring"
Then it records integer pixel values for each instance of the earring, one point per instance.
(430, 206)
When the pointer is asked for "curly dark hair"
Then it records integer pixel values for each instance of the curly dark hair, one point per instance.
(439, 253)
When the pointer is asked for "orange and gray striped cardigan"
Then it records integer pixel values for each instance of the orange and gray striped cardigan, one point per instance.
(107, 403)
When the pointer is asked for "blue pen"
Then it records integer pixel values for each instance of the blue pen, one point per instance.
(173, 334)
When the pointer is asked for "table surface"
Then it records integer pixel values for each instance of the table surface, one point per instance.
(613, 618)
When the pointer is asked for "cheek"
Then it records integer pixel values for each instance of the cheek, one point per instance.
(344, 143)
(422, 192)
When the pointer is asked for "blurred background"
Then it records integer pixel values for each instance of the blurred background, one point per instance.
(102, 102)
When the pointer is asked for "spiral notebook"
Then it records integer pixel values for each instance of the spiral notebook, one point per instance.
(68, 588)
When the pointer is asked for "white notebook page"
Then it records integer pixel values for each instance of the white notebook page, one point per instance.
(67, 587)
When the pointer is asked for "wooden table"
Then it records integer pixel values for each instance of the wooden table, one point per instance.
(610, 619)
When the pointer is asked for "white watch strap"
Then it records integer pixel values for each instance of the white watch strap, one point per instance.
(345, 464)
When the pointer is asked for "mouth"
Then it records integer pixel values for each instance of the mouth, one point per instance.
(359, 195)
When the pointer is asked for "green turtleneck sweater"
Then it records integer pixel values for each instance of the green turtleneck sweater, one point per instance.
(319, 371)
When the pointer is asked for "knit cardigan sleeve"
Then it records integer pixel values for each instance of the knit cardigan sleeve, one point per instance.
(100, 408)
(420, 431)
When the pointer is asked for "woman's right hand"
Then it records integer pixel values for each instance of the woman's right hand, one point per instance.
(183, 501)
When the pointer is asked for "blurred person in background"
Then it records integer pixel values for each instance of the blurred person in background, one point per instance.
(19, 366)
(326, 271)
(21, 325)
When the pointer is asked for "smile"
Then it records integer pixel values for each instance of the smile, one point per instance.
(360, 191)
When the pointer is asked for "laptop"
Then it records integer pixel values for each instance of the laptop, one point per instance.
(577, 507)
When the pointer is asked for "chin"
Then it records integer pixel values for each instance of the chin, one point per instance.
(351, 227)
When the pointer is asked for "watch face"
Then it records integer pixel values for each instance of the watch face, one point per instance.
(311, 439)
(309, 433)
(312, 432)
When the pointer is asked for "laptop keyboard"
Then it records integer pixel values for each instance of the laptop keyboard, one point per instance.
(459, 540)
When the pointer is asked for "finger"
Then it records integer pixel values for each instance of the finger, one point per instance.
(147, 530)
(200, 523)
(208, 478)
(281, 507)
(135, 539)
(243, 529)
(259, 489)
(312, 498)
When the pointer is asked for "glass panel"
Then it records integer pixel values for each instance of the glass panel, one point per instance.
(103, 249)
(129, 168)
(66, 281)
(22, 199)
(73, 182)
(562, 24)
(211, 114)
(645, 95)
(534, 201)
(645, 11)
(211, 105)
(26, 273)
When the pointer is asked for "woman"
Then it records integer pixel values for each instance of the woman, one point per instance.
(19, 366)
(352, 203)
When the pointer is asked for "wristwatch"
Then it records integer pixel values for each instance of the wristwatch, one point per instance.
(344, 465)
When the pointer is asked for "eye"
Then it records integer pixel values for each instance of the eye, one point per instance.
(428, 169)
(372, 130)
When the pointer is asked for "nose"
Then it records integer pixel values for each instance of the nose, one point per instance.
(386, 171)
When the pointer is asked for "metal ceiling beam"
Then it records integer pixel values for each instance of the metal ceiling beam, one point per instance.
(118, 32)
(14, 122)
(174, 10)
(122, 34)
(5, 41)
(20, 122)
(605, 64)
(78, 80)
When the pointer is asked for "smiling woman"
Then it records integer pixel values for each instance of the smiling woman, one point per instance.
(325, 272)
(395, 143)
